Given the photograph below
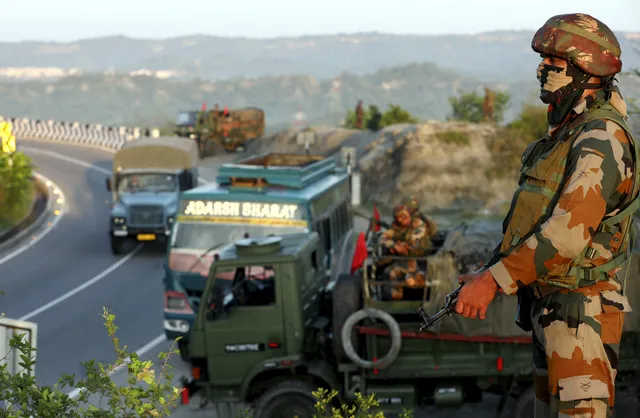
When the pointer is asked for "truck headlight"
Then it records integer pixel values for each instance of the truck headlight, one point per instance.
(170, 220)
(119, 221)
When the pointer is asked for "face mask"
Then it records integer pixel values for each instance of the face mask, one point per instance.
(552, 79)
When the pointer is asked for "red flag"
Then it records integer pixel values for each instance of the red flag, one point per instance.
(204, 106)
(360, 254)
(376, 217)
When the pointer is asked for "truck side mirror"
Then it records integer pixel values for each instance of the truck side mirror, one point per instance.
(108, 184)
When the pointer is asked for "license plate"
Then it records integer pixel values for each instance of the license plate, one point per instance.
(146, 237)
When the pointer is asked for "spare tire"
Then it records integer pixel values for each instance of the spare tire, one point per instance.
(394, 331)
(346, 300)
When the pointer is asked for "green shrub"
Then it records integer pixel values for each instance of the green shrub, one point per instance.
(453, 137)
(146, 394)
(374, 120)
(364, 407)
(16, 187)
(470, 107)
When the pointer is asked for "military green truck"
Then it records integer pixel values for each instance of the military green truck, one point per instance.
(273, 330)
(228, 129)
(148, 176)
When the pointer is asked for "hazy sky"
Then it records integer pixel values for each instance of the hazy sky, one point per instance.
(67, 20)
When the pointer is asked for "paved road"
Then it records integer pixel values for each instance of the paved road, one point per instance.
(38, 282)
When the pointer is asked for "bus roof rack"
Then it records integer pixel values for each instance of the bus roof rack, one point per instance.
(276, 169)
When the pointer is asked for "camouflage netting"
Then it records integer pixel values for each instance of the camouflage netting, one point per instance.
(466, 251)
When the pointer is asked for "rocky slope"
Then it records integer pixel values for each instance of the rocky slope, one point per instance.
(444, 164)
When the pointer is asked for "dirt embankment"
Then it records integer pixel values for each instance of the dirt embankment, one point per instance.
(447, 165)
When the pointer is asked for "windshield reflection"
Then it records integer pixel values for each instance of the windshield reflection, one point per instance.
(190, 239)
(148, 182)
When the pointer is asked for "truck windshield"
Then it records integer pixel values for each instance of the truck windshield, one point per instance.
(148, 182)
(190, 239)
(186, 118)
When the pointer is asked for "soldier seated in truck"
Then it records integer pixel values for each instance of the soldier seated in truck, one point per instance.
(408, 236)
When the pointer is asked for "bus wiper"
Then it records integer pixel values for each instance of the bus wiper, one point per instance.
(201, 256)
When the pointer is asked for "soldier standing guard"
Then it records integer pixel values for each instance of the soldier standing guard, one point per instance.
(567, 234)
(487, 107)
(359, 115)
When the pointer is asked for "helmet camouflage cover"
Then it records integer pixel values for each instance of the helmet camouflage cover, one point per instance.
(412, 204)
(582, 40)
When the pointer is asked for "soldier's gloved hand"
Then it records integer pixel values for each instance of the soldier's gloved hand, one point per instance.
(477, 293)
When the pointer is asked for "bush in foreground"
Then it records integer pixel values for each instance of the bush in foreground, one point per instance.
(147, 394)
(16, 187)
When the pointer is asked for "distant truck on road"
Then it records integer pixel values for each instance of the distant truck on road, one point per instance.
(148, 176)
(230, 129)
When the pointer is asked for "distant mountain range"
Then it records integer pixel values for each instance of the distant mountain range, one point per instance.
(491, 56)
(118, 80)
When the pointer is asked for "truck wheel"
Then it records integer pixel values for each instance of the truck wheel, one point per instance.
(523, 407)
(347, 299)
(291, 398)
(183, 346)
(117, 245)
(394, 331)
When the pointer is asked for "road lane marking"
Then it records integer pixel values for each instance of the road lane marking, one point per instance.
(58, 216)
(83, 286)
(140, 351)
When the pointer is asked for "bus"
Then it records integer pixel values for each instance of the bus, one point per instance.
(271, 194)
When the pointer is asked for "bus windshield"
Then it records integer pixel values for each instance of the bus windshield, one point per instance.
(190, 239)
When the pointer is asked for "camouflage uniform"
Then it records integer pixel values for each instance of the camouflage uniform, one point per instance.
(414, 209)
(568, 230)
(415, 239)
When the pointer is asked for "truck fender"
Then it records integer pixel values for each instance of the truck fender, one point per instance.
(394, 331)
(319, 369)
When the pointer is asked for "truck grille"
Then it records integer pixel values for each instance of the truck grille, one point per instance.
(145, 216)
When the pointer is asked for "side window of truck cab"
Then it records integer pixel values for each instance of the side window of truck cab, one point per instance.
(244, 286)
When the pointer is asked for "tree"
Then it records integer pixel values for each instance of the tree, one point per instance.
(394, 115)
(469, 107)
(374, 120)
(146, 394)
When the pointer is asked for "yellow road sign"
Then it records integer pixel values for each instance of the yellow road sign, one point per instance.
(7, 138)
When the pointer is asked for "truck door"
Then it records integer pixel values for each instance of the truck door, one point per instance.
(250, 329)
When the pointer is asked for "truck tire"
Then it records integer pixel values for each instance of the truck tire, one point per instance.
(117, 245)
(291, 398)
(347, 299)
(394, 330)
(523, 407)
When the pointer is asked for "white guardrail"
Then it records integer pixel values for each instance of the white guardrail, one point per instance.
(99, 136)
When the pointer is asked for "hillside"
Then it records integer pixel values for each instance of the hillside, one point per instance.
(116, 99)
(210, 57)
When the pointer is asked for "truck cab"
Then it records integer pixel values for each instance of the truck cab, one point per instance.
(148, 177)
(263, 311)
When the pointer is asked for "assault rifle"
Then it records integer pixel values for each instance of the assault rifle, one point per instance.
(449, 306)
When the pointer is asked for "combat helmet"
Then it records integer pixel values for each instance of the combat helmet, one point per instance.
(412, 204)
(582, 40)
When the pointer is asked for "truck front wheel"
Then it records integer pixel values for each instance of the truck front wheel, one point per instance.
(291, 398)
(117, 245)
